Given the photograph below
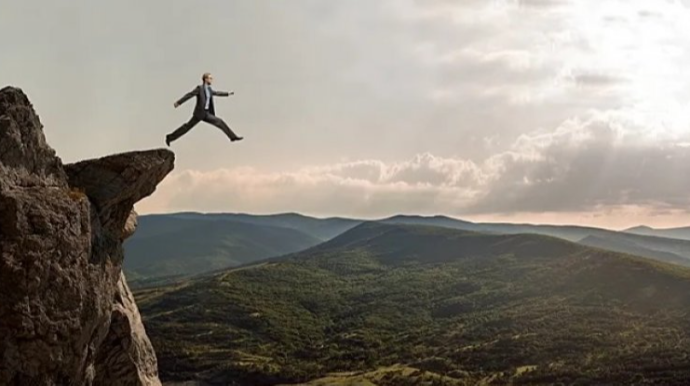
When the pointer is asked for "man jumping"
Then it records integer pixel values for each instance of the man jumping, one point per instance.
(203, 111)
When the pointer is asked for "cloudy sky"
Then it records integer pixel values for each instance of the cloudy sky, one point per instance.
(551, 111)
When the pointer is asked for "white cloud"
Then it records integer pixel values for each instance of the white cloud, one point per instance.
(594, 164)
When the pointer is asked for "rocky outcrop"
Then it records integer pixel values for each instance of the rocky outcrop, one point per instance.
(67, 316)
(126, 357)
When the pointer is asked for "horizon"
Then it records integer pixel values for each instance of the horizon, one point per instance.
(407, 215)
(548, 112)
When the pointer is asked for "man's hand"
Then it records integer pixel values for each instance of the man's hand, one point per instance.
(176, 104)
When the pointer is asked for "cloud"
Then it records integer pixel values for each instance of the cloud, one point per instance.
(598, 80)
(584, 165)
(469, 106)
(542, 4)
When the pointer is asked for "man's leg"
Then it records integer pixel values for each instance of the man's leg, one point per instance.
(219, 123)
(182, 130)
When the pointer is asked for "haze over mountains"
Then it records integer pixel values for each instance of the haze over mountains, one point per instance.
(397, 304)
(184, 244)
(658, 248)
(674, 233)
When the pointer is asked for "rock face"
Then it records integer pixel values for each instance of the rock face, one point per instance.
(126, 357)
(67, 316)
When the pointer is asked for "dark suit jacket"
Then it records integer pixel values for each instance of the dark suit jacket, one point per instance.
(198, 92)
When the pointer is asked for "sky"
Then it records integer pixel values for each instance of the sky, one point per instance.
(542, 111)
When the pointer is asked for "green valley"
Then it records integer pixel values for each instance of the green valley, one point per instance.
(389, 304)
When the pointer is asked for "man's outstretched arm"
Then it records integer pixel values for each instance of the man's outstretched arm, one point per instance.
(186, 97)
(223, 93)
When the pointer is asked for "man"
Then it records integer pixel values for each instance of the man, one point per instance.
(203, 111)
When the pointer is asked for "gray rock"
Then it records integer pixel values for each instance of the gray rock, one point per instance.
(126, 357)
(66, 313)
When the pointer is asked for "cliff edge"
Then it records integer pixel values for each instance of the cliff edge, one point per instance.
(67, 316)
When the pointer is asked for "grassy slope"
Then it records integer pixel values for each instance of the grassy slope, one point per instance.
(460, 307)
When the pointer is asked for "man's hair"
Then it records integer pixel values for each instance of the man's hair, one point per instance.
(206, 75)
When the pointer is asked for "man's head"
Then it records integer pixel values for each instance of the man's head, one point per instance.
(207, 78)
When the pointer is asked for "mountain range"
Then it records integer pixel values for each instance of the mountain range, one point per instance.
(399, 304)
(172, 246)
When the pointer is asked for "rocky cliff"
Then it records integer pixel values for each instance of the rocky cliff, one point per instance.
(67, 316)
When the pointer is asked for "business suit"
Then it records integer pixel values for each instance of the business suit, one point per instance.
(201, 113)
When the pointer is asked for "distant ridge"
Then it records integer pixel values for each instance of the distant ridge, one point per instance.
(214, 251)
(682, 233)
